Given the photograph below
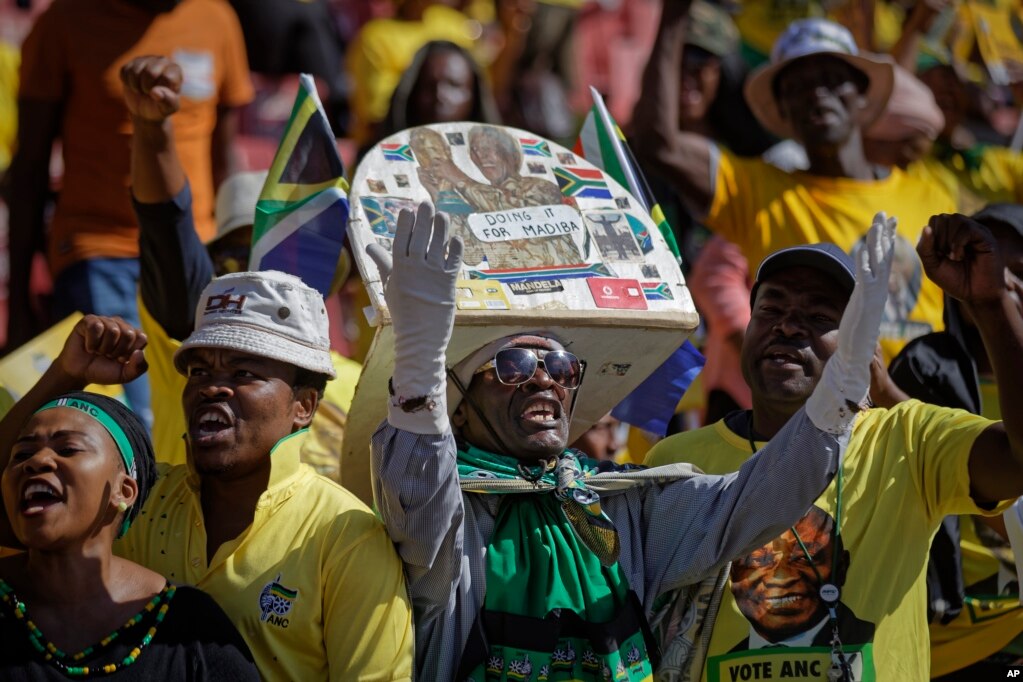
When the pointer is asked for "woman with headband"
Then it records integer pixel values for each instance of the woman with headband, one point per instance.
(78, 470)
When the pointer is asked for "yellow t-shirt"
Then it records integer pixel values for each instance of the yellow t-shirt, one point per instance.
(998, 179)
(322, 450)
(763, 209)
(314, 585)
(893, 499)
(384, 48)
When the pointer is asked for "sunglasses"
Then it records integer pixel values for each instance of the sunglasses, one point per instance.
(516, 366)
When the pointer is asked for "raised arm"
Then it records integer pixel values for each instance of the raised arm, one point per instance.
(99, 350)
(699, 524)
(415, 481)
(174, 263)
(683, 159)
(962, 257)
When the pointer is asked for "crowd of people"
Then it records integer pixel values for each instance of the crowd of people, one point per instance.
(836, 499)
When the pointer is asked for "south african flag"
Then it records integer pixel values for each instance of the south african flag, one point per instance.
(397, 152)
(302, 212)
(657, 291)
(534, 147)
(582, 183)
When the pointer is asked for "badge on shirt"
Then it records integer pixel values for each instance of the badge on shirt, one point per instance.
(197, 73)
(275, 602)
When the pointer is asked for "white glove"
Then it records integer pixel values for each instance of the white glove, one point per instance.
(846, 378)
(419, 287)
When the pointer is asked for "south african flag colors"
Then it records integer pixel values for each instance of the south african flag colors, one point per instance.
(397, 152)
(651, 405)
(302, 212)
(534, 147)
(582, 183)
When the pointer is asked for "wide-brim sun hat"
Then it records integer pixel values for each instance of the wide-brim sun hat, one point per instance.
(268, 314)
(805, 38)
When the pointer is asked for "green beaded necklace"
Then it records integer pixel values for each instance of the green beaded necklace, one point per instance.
(58, 659)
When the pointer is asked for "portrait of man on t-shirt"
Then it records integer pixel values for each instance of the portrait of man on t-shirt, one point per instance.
(777, 588)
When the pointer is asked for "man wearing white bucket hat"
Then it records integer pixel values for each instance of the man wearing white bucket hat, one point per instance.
(175, 266)
(303, 569)
(821, 91)
(524, 558)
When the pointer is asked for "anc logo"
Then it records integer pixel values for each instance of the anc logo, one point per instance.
(275, 602)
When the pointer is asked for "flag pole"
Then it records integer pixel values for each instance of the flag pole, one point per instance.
(616, 142)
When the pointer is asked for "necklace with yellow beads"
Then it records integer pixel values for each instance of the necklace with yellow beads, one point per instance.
(60, 660)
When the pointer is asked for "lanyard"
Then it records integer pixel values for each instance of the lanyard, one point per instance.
(840, 670)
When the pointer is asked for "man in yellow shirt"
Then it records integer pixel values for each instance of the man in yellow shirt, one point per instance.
(819, 91)
(846, 585)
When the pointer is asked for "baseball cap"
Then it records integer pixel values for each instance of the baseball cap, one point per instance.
(807, 37)
(825, 256)
(270, 314)
(236, 201)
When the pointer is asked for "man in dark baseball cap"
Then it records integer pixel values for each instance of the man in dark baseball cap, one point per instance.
(905, 469)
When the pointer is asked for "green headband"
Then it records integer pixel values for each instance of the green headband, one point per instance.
(106, 421)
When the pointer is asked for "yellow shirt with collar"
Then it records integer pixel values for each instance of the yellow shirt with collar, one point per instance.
(893, 498)
(314, 584)
(762, 209)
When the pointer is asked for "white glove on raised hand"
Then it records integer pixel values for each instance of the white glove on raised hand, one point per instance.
(846, 379)
(419, 287)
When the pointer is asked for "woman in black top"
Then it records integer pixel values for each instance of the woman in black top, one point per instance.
(78, 471)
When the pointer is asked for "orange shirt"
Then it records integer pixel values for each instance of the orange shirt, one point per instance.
(73, 55)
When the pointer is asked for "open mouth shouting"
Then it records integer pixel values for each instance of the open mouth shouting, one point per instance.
(37, 496)
(211, 424)
(541, 412)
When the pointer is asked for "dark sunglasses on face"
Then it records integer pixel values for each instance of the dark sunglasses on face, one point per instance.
(516, 366)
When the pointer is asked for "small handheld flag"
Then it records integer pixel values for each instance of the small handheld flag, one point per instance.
(602, 143)
(302, 212)
(651, 405)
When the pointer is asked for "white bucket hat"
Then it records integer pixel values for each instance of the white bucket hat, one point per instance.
(815, 37)
(236, 201)
(270, 314)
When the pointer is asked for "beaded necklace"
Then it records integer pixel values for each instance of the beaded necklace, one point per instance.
(59, 659)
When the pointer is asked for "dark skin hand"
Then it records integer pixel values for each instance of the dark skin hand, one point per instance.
(152, 87)
(960, 255)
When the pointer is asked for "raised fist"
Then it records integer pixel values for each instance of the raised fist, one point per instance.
(103, 350)
(152, 87)
(961, 256)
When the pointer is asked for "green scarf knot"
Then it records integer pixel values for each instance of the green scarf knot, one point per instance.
(565, 477)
